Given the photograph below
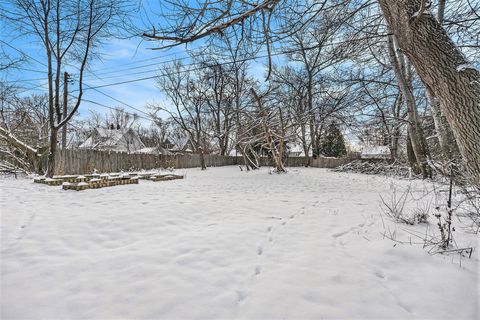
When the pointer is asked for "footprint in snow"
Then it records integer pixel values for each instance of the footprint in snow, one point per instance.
(259, 250)
(240, 295)
(258, 270)
(339, 234)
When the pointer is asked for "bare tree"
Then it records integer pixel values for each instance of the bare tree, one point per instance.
(439, 63)
(454, 81)
(69, 33)
(219, 96)
(403, 74)
(189, 104)
(24, 129)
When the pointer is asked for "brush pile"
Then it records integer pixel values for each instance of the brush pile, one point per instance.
(377, 167)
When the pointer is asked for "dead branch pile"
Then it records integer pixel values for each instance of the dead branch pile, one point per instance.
(377, 167)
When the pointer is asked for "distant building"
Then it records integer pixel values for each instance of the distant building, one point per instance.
(296, 150)
(120, 140)
(155, 150)
(375, 152)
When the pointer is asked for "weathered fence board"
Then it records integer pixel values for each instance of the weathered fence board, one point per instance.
(72, 161)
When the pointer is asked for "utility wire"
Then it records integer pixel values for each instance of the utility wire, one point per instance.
(112, 108)
(119, 101)
(291, 51)
(200, 68)
(23, 53)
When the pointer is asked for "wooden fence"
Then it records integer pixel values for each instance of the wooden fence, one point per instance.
(71, 161)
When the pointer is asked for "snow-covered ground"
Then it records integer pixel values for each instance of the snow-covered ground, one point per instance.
(223, 244)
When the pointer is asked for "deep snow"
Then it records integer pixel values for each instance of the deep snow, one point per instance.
(223, 244)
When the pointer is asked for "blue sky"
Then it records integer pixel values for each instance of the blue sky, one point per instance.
(121, 60)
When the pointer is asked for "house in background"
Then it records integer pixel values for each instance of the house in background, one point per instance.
(295, 149)
(120, 140)
(375, 152)
(374, 144)
(158, 150)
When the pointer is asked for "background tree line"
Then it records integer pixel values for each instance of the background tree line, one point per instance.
(401, 73)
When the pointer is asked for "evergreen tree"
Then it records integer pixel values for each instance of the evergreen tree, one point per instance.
(333, 144)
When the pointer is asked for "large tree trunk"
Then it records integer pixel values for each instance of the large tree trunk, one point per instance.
(395, 131)
(51, 152)
(202, 159)
(446, 141)
(402, 73)
(410, 154)
(305, 145)
(444, 69)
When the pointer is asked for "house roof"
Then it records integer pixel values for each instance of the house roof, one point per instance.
(154, 150)
(114, 134)
(104, 138)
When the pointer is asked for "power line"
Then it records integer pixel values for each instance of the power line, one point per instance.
(194, 63)
(143, 60)
(23, 53)
(229, 62)
(112, 108)
(119, 101)
(273, 54)
(32, 88)
(183, 71)
(99, 75)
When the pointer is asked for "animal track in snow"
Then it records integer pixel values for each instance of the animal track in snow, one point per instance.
(258, 270)
(259, 250)
(339, 234)
(240, 295)
(23, 229)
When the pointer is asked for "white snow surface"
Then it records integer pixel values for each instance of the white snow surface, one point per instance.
(223, 244)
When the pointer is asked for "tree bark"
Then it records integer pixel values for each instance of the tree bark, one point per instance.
(202, 159)
(51, 152)
(444, 69)
(64, 113)
(395, 131)
(446, 141)
(410, 154)
(401, 69)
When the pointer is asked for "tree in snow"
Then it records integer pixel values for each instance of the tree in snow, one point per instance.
(70, 32)
(333, 144)
(453, 80)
